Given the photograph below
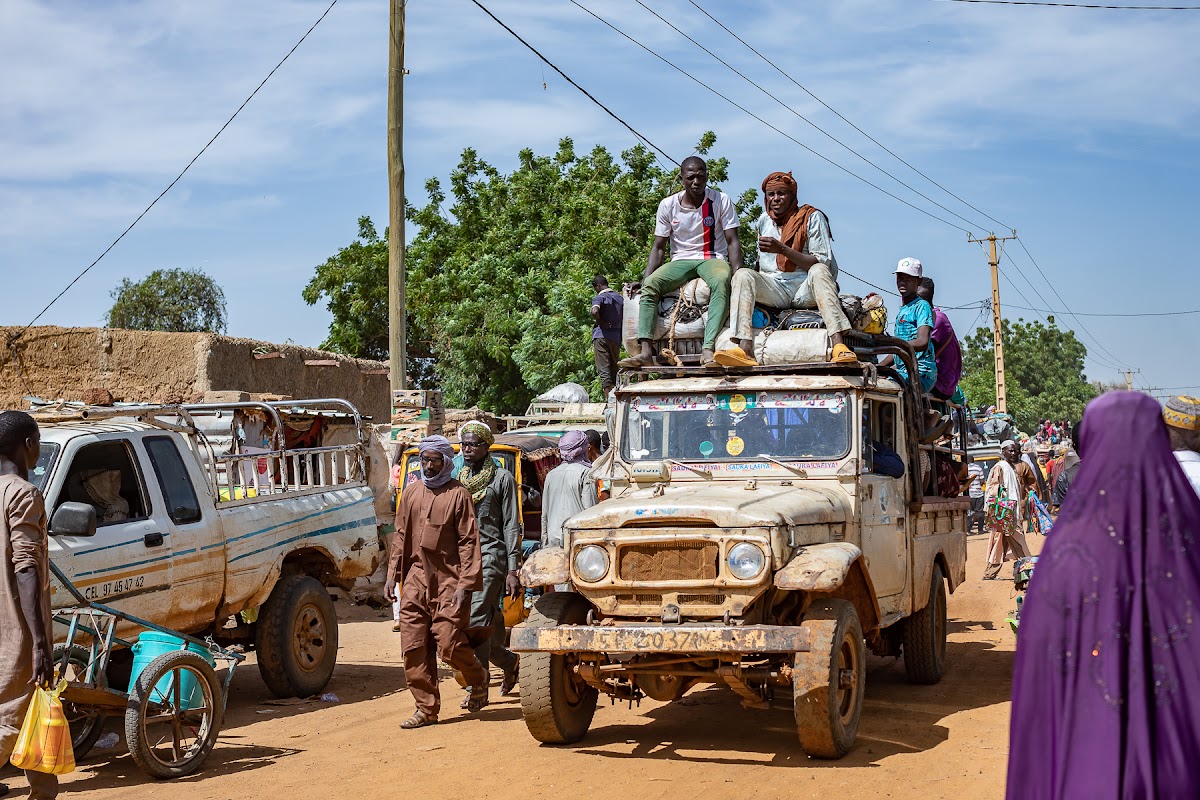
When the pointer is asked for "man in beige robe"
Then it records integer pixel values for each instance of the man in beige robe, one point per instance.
(26, 623)
(1014, 479)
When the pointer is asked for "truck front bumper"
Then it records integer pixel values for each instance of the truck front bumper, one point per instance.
(688, 639)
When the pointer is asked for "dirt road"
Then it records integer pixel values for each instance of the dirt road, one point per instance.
(944, 741)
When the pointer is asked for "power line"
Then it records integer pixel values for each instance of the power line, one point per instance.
(178, 177)
(750, 113)
(568, 79)
(839, 115)
(814, 125)
(1098, 314)
(1083, 327)
(1077, 5)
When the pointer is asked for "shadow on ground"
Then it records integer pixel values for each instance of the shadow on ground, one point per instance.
(898, 718)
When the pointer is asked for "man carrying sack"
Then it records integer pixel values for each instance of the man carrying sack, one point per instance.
(26, 659)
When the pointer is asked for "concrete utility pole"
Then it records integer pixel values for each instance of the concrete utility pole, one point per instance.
(1129, 373)
(397, 334)
(994, 262)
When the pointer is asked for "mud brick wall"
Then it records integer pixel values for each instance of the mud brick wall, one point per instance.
(154, 367)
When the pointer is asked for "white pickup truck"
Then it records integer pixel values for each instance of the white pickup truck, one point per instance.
(204, 534)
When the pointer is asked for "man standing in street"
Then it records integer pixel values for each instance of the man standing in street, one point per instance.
(607, 309)
(569, 487)
(1013, 479)
(26, 637)
(436, 560)
(1182, 416)
(498, 515)
(975, 492)
(701, 226)
(796, 269)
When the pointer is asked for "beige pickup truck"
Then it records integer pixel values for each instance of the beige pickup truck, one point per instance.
(763, 540)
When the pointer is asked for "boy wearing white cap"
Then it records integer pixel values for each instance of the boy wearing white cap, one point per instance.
(914, 324)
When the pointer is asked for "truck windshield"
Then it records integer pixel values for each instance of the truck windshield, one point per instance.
(734, 426)
(41, 470)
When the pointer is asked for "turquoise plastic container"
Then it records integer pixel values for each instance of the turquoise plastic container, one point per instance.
(152, 644)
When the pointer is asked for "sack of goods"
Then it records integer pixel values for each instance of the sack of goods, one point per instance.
(685, 309)
(774, 348)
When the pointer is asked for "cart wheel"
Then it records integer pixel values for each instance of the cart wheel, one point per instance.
(86, 726)
(170, 728)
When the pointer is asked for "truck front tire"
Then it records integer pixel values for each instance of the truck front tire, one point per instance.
(296, 637)
(556, 703)
(829, 680)
(925, 635)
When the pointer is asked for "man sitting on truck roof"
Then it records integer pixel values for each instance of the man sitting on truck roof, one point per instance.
(701, 226)
(796, 269)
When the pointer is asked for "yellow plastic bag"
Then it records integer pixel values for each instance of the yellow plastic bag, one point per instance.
(44, 743)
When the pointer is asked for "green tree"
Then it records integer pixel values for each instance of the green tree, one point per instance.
(1043, 366)
(498, 285)
(178, 300)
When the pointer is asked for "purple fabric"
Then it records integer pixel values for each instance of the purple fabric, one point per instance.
(1106, 686)
(439, 444)
(949, 358)
(573, 448)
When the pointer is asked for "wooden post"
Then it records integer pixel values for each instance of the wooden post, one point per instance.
(997, 319)
(397, 335)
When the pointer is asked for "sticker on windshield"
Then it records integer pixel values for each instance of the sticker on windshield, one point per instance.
(706, 449)
(735, 446)
(737, 403)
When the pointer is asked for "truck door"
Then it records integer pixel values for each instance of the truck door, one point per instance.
(128, 562)
(197, 541)
(882, 500)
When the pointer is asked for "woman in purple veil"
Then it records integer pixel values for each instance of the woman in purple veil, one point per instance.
(1106, 687)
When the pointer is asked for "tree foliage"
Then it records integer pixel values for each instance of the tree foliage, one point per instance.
(499, 284)
(178, 300)
(1043, 369)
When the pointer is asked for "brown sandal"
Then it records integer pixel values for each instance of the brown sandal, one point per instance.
(477, 698)
(419, 719)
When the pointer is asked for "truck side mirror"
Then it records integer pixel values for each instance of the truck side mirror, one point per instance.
(73, 519)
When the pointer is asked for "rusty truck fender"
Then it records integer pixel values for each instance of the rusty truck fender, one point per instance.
(546, 567)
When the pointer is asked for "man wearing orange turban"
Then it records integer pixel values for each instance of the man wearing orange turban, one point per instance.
(796, 269)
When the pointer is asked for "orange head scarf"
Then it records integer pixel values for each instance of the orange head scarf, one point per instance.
(792, 221)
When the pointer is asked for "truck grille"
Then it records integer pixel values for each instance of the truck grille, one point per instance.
(669, 561)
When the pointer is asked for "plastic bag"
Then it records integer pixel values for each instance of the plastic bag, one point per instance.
(44, 743)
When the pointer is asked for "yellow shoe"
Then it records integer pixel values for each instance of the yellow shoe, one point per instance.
(843, 355)
(734, 357)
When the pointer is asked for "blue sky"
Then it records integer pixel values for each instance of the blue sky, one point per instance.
(1078, 127)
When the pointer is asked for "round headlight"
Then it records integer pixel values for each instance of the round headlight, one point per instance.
(746, 561)
(591, 563)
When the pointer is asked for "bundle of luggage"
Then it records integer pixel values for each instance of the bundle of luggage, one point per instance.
(786, 336)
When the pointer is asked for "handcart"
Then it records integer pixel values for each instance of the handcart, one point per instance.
(175, 705)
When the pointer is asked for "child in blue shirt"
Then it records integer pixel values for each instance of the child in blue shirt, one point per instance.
(914, 324)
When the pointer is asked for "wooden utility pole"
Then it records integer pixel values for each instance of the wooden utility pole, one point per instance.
(997, 319)
(397, 334)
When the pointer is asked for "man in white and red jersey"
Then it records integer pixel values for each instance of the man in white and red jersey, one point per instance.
(702, 227)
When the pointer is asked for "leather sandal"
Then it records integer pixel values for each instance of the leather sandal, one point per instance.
(477, 698)
(419, 719)
(510, 679)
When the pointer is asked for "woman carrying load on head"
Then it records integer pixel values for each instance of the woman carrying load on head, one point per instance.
(1106, 690)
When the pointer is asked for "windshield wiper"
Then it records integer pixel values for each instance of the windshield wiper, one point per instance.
(701, 472)
(803, 473)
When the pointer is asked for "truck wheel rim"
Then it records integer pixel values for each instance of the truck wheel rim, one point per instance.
(309, 642)
(848, 671)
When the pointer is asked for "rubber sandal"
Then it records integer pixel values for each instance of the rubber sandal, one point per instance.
(510, 679)
(734, 357)
(843, 355)
(419, 719)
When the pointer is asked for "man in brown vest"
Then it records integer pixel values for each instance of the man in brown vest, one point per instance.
(436, 560)
(796, 269)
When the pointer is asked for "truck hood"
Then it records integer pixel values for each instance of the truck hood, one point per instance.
(728, 504)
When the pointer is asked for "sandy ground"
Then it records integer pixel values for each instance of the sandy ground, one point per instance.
(944, 741)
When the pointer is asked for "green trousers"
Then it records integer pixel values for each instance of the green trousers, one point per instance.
(670, 276)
